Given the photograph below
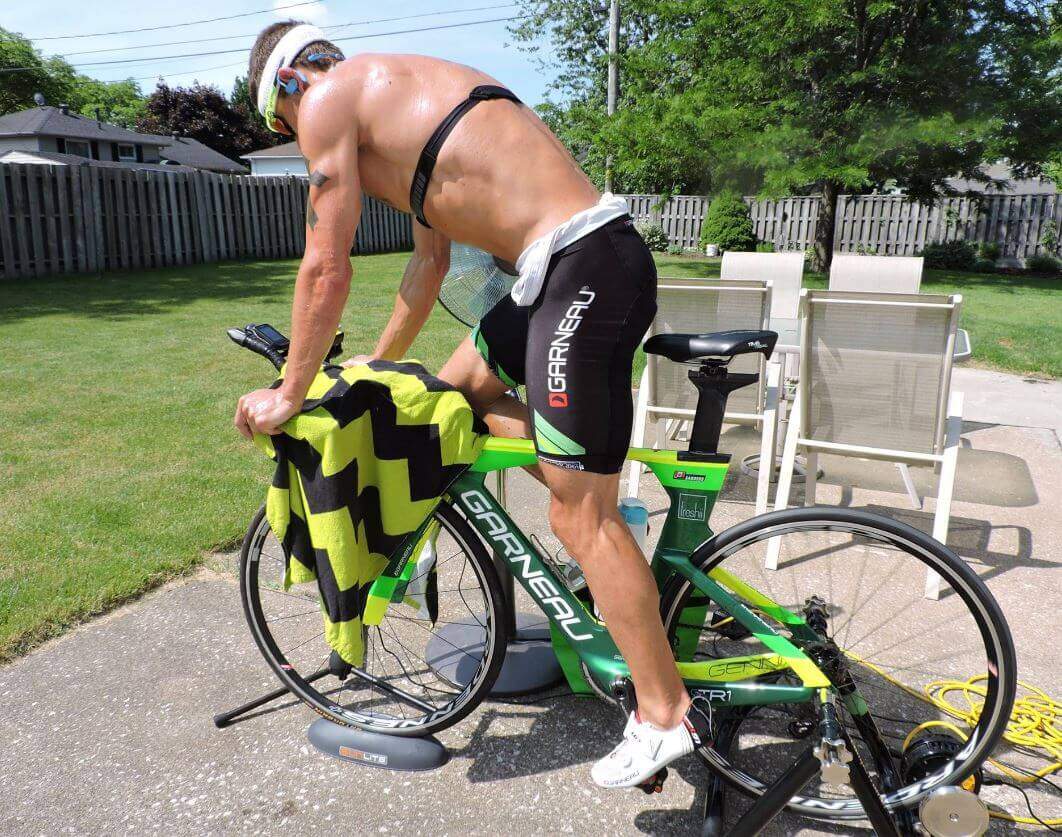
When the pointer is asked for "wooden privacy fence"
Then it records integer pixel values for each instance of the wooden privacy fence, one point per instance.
(68, 219)
(884, 224)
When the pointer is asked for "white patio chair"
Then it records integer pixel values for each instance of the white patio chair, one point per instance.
(876, 274)
(875, 383)
(880, 274)
(784, 270)
(666, 396)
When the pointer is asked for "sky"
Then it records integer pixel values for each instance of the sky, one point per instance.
(487, 46)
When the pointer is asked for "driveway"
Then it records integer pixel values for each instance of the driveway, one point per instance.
(108, 729)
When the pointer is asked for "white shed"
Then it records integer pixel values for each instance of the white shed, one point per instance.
(279, 160)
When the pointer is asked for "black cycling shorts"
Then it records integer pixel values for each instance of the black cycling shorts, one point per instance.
(574, 346)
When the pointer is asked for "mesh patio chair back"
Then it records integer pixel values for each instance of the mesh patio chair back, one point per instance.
(785, 270)
(702, 306)
(876, 369)
(876, 274)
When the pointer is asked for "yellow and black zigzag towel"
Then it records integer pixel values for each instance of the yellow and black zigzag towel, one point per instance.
(358, 470)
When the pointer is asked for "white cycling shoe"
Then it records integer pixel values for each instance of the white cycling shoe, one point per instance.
(643, 752)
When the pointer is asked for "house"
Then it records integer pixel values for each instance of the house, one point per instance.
(185, 151)
(48, 131)
(278, 160)
(54, 136)
(1005, 183)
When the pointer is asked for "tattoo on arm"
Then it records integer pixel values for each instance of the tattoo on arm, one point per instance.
(317, 178)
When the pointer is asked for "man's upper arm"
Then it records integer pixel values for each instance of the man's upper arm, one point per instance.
(431, 247)
(333, 206)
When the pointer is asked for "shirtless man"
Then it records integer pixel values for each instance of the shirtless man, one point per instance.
(473, 164)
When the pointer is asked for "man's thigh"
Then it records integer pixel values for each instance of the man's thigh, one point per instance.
(468, 372)
(583, 334)
(590, 497)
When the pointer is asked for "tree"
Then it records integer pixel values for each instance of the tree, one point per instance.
(117, 102)
(727, 223)
(203, 113)
(261, 136)
(52, 77)
(799, 96)
(120, 102)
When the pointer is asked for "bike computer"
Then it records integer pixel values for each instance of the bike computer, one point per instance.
(270, 336)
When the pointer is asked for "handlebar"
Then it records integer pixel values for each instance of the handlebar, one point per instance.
(264, 340)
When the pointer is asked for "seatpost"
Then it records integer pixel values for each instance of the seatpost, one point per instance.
(714, 385)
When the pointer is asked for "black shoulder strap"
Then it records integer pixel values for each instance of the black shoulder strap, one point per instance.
(426, 163)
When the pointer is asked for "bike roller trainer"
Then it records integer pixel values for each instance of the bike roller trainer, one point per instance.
(374, 749)
(949, 811)
(832, 756)
(392, 752)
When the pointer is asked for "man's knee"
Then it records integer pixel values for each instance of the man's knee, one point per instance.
(468, 373)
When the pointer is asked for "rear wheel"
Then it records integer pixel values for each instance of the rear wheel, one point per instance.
(859, 578)
(396, 690)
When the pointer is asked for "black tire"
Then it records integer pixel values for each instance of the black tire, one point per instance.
(472, 694)
(886, 533)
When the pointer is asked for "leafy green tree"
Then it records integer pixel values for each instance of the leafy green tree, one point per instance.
(117, 102)
(52, 77)
(807, 96)
(728, 224)
(120, 103)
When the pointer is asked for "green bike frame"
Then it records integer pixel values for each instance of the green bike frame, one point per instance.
(582, 642)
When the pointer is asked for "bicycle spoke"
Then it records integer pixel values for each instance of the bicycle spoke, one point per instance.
(880, 636)
(316, 611)
(395, 681)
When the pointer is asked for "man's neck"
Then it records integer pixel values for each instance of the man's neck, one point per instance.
(289, 106)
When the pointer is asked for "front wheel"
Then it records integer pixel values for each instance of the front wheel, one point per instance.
(417, 677)
(859, 579)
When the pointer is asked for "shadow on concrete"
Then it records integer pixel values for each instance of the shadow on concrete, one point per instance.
(577, 731)
(977, 540)
(987, 477)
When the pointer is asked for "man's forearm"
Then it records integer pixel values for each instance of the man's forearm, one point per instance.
(315, 312)
(416, 297)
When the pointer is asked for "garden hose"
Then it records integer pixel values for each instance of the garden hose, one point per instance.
(1034, 724)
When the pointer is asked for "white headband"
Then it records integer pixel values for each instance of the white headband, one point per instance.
(295, 40)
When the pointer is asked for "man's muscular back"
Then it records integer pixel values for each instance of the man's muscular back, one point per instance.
(502, 178)
(501, 181)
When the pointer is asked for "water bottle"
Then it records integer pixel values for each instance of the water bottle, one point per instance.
(636, 515)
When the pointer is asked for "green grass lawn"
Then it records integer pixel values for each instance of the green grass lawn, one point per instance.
(119, 464)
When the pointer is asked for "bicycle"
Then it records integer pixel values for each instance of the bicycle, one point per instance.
(778, 653)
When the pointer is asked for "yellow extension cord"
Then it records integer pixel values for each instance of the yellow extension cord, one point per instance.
(1033, 724)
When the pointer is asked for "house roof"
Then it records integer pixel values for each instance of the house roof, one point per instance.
(52, 122)
(56, 159)
(1007, 183)
(288, 149)
(191, 152)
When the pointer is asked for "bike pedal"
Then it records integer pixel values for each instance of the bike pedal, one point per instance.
(655, 783)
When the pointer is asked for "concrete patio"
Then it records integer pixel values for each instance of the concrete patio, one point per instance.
(108, 729)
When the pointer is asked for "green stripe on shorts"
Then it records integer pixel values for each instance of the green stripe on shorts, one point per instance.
(484, 352)
(551, 440)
